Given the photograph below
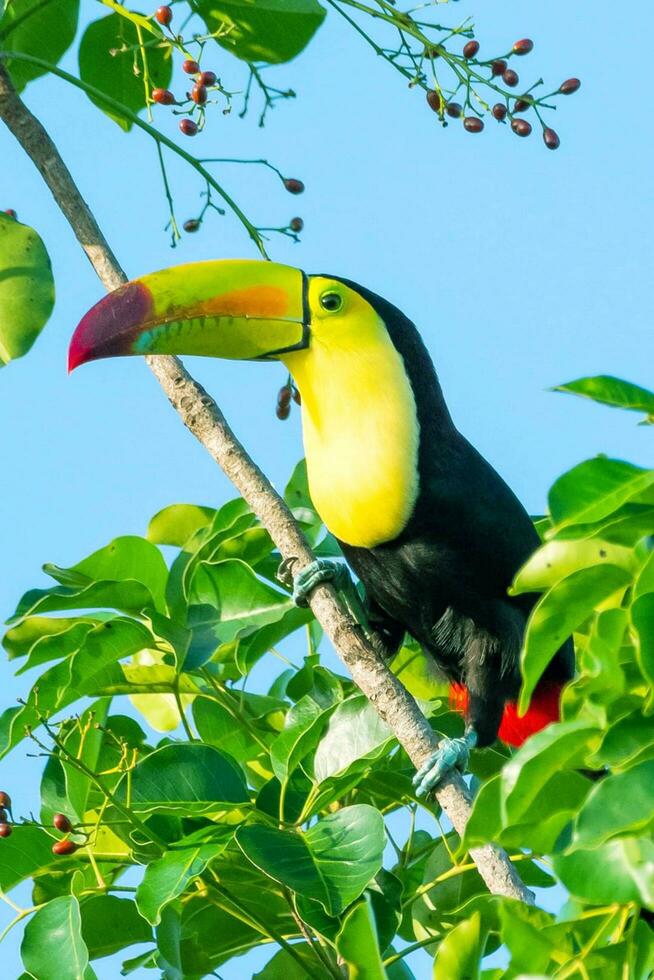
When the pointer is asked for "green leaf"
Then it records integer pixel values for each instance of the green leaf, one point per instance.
(52, 947)
(595, 489)
(111, 61)
(43, 30)
(177, 523)
(302, 729)
(607, 390)
(268, 30)
(459, 954)
(358, 944)
(123, 596)
(26, 287)
(24, 854)
(625, 740)
(110, 924)
(524, 933)
(332, 862)
(186, 778)
(621, 803)
(557, 559)
(355, 731)
(642, 619)
(241, 599)
(622, 870)
(558, 613)
(170, 875)
(283, 966)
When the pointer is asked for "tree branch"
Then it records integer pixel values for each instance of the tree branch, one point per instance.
(201, 415)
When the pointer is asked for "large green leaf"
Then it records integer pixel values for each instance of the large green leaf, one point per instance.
(332, 862)
(607, 390)
(461, 951)
(594, 489)
(354, 731)
(283, 966)
(358, 943)
(241, 599)
(42, 28)
(52, 946)
(185, 778)
(622, 803)
(268, 30)
(302, 729)
(561, 611)
(170, 875)
(642, 618)
(110, 60)
(622, 870)
(110, 923)
(177, 523)
(555, 560)
(24, 854)
(26, 287)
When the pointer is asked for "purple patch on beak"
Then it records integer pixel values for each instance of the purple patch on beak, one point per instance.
(110, 328)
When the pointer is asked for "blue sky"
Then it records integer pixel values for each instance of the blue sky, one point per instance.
(522, 268)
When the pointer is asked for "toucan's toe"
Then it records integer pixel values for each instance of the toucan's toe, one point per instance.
(451, 754)
(319, 571)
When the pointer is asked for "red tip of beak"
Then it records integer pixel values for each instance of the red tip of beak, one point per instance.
(110, 328)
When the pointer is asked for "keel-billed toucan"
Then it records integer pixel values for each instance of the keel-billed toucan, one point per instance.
(430, 529)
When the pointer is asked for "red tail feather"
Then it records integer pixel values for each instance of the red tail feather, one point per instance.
(514, 730)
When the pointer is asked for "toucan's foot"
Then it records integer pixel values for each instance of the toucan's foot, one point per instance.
(452, 753)
(319, 571)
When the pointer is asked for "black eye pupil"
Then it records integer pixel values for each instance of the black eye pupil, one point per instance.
(331, 302)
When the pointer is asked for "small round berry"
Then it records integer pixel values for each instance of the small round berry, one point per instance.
(453, 109)
(551, 139)
(569, 86)
(6, 830)
(163, 96)
(62, 823)
(521, 105)
(208, 78)
(472, 124)
(199, 94)
(163, 16)
(293, 185)
(297, 397)
(434, 100)
(510, 77)
(498, 67)
(11, 213)
(521, 127)
(190, 67)
(63, 847)
(470, 49)
(524, 46)
(191, 225)
(5, 800)
(283, 413)
(284, 397)
(188, 127)
(499, 111)
(296, 224)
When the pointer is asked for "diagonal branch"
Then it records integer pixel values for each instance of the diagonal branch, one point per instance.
(203, 418)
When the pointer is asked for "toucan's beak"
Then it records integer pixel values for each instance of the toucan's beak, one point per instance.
(235, 309)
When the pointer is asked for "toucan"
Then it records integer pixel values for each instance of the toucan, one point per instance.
(430, 529)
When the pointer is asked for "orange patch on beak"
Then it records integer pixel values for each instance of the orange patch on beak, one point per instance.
(265, 302)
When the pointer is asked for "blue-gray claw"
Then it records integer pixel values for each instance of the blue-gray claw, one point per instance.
(452, 753)
(320, 570)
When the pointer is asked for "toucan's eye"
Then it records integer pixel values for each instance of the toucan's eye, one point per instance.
(332, 302)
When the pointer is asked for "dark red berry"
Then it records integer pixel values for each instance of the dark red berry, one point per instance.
(64, 847)
(6, 830)
(453, 109)
(524, 46)
(163, 16)
(191, 225)
(62, 823)
(208, 78)
(293, 185)
(199, 94)
(284, 397)
(472, 124)
(499, 111)
(297, 397)
(190, 67)
(510, 77)
(434, 100)
(569, 86)
(282, 413)
(5, 800)
(470, 49)
(11, 213)
(188, 127)
(498, 67)
(296, 224)
(521, 127)
(163, 96)
(551, 139)
(521, 105)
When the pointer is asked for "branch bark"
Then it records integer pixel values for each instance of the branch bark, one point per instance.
(202, 416)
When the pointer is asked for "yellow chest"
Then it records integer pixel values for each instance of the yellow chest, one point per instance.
(361, 438)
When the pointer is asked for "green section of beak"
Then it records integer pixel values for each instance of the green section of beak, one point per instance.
(234, 309)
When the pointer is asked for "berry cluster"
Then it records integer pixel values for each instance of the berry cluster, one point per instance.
(499, 69)
(285, 394)
(292, 185)
(60, 822)
(6, 828)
